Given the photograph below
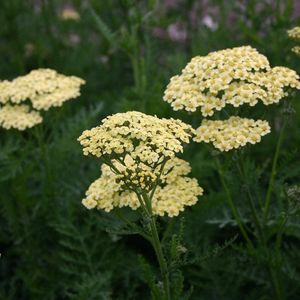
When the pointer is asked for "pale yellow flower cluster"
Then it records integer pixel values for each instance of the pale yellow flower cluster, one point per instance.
(294, 34)
(146, 142)
(19, 117)
(45, 88)
(232, 76)
(296, 50)
(232, 133)
(174, 192)
(40, 89)
(145, 137)
(69, 13)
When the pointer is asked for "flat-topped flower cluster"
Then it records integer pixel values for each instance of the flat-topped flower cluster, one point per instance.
(233, 77)
(294, 34)
(147, 138)
(22, 98)
(232, 133)
(173, 193)
(139, 152)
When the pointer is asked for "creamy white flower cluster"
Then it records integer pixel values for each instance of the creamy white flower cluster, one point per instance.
(18, 116)
(138, 152)
(233, 76)
(233, 133)
(294, 34)
(174, 192)
(146, 142)
(40, 89)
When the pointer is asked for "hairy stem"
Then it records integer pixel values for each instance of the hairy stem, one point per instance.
(273, 173)
(161, 259)
(158, 250)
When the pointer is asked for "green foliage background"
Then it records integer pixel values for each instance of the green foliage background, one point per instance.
(51, 246)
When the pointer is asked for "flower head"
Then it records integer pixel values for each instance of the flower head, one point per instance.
(40, 89)
(136, 133)
(232, 76)
(45, 88)
(173, 193)
(19, 117)
(232, 133)
(294, 34)
(140, 145)
(69, 13)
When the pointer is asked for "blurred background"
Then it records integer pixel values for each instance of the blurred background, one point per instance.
(51, 246)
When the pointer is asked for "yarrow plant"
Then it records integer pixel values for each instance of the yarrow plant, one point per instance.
(236, 77)
(140, 170)
(22, 99)
(233, 133)
(294, 34)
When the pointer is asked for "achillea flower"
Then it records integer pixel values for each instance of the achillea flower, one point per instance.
(18, 116)
(232, 133)
(296, 50)
(173, 193)
(45, 88)
(69, 13)
(233, 76)
(294, 34)
(40, 89)
(139, 143)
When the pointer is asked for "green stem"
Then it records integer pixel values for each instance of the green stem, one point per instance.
(158, 178)
(161, 259)
(275, 283)
(232, 206)
(168, 229)
(240, 166)
(274, 276)
(156, 243)
(280, 233)
(273, 174)
(48, 189)
(262, 237)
